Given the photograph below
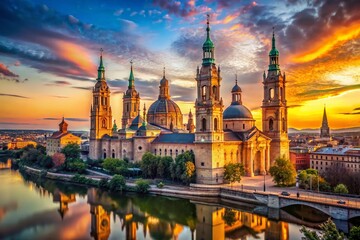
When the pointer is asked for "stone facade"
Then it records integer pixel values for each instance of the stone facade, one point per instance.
(217, 137)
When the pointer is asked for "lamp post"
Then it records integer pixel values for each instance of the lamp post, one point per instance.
(264, 181)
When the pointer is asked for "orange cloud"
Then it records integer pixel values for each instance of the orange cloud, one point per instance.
(321, 46)
(76, 54)
(230, 18)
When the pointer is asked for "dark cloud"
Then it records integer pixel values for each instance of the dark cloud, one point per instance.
(66, 119)
(177, 8)
(356, 109)
(295, 106)
(317, 93)
(83, 88)
(351, 113)
(6, 74)
(13, 95)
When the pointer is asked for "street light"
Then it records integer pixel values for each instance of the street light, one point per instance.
(264, 181)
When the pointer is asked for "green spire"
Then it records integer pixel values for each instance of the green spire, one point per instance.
(114, 129)
(208, 46)
(273, 51)
(101, 69)
(131, 77)
(274, 56)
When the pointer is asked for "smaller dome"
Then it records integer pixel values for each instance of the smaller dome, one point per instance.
(236, 88)
(101, 85)
(237, 111)
(208, 43)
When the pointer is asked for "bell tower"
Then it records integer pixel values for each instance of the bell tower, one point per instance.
(131, 101)
(100, 113)
(274, 109)
(209, 135)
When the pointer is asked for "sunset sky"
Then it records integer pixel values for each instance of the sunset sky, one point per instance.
(49, 52)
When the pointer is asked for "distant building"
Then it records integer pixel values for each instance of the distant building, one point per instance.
(325, 130)
(300, 158)
(60, 139)
(346, 157)
(18, 144)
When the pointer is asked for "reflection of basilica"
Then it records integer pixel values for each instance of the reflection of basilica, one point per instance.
(64, 201)
(100, 222)
(213, 223)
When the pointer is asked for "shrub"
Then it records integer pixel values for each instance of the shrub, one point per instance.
(160, 185)
(117, 183)
(113, 164)
(75, 165)
(283, 172)
(142, 186)
(104, 183)
(58, 159)
(341, 188)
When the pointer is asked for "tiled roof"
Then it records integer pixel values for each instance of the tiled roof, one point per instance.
(58, 134)
(339, 151)
(175, 138)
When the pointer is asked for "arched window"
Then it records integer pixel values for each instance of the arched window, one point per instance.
(165, 152)
(203, 124)
(176, 152)
(203, 93)
(104, 155)
(225, 126)
(104, 123)
(271, 124)
(113, 153)
(243, 125)
(215, 124)
(160, 151)
(182, 151)
(283, 125)
(170, 152)
(215, 92)
(271, 93)
(155, 151)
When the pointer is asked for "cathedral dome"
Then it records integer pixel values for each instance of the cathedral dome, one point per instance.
(237, 111)
(236, 88)
(164, 106)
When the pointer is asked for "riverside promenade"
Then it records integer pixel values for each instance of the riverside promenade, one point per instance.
(250, 190)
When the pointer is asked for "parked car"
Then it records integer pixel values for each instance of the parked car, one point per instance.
(285, 193)
(341, 201)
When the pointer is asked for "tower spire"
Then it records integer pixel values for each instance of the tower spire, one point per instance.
(274, 56)
(208, 26)
(273, 39)
(208, 46)
(164, 72)
(324, 120)
(131, 77)
(101, 69)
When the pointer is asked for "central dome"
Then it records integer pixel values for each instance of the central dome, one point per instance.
(237, 111)
(164, 106)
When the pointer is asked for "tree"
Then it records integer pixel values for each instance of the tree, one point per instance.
(71, 151)
(233, 172)
(328, 232)
(117, 183)
(149, 165)
(41, 149)
(229, 216)
(341, 188)
(75, 165)
(189, 172)
(114, 165)
(283, 172)
(354, 233)
(142, 186)
(163, 168)
(46, 161)
(58, 159)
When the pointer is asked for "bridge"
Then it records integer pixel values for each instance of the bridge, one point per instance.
(350, 209)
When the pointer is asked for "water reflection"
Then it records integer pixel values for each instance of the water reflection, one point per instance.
(52, 210)
(5, 164)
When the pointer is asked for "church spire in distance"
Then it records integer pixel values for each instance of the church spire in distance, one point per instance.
(208, 46)
(324, 130)
(101, 69)
(131, 77)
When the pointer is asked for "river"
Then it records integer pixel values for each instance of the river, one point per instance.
(43, 209)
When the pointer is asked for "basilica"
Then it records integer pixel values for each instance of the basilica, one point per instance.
(215, 136)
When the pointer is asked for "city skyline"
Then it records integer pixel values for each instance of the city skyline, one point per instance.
(50, 52)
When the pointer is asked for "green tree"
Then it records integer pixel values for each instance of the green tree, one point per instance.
(233, 172)
(163, 167)
(75, 165)
(283, 172)
(117, 183)
(341, 188)
(328, 232)
(71, 151)
(149, 165)
(114, 165)
(354, 233)
(229, 216)
(188, 174)
(41, 149)
(45, 161)
(142, 186)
